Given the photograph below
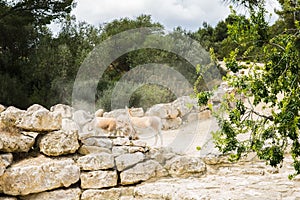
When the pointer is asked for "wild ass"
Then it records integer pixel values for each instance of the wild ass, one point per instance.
(147, 122)
(106, 123)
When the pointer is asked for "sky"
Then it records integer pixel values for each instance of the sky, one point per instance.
(189, 14)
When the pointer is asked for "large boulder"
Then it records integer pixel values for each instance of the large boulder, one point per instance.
(142, 172)
(16, 141)
(61, 194)
(96, 161)
(98, 179)
(38, 118)
(38, 175)
(58, 143)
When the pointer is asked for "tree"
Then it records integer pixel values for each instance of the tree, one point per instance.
(21, 23)
(274, 86)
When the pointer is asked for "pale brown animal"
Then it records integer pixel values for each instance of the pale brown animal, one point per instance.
(105, 123)
(146, 122)
(125, 128)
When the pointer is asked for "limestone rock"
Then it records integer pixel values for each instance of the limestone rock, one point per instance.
(65, 110)
(69, 125)
(8, 198)
(82, 117)
(38, 175)
(59, 143)
(205, 114)
(139, 143)
(120, 150)
(98, 179)
(171, 123)
(16, 141)
(202, 115)
(96, 161)
(155, 190)
(38, 118)
(5, 161)
(85, 150)
(137, 112)
(11, 114)
(115, 113)
(122, 142)
(214, 159)
(35, 107)
(61, 194)
(142, 172)
(127, 160)
(161, 155)
(2, 108)
(99, 113)
(159, 110)
(113, 193)
(99, 142)
(185, 166)
(185, 105)
(126, 142)
(218, 95)
(167, 190)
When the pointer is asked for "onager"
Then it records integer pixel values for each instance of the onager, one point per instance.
(146, 122)
(105, 123)
(125, 127)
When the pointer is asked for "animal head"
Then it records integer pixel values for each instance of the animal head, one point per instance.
(128, 111)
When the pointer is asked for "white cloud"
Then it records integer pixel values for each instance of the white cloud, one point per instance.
(189, 14)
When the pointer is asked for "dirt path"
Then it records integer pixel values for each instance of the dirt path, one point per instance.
(248, 180)
(187, 137)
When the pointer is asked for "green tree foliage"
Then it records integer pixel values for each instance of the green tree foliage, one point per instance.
(21, 23)
(139, 57)
(273, 86)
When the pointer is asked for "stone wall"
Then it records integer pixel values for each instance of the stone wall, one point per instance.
(50, 154)
(47, 154)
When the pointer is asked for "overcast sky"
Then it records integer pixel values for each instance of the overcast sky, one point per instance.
(189, 14)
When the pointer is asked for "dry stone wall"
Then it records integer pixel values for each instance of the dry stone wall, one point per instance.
(46, 154)
(52, 154)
